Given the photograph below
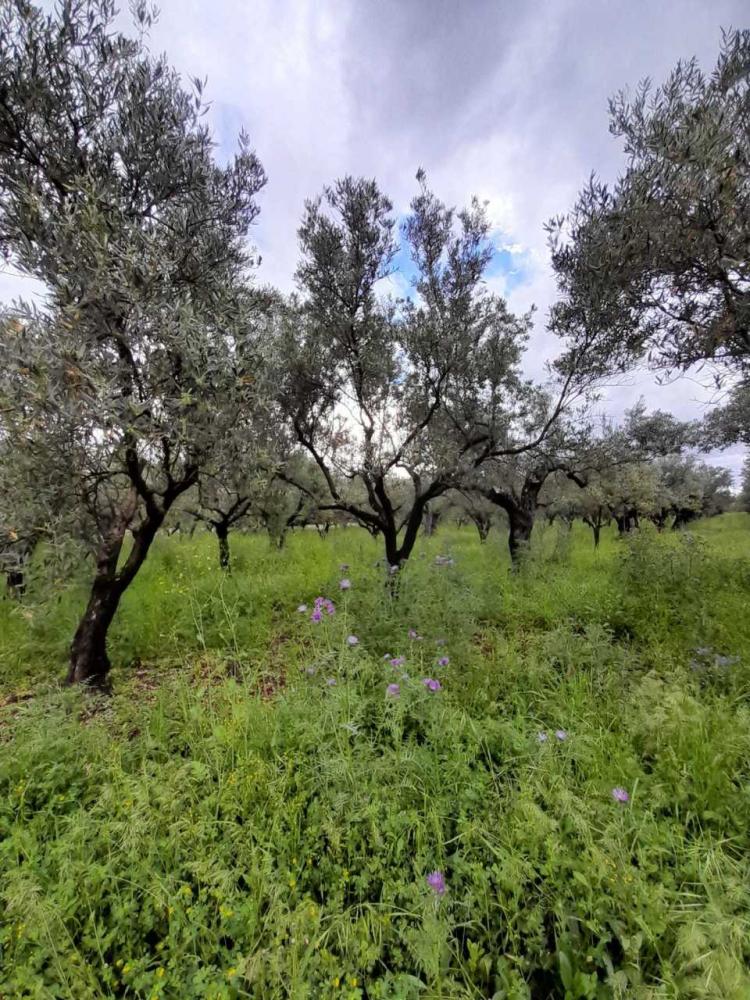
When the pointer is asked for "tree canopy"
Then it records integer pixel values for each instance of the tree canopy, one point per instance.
(110, 194)
(657, 263)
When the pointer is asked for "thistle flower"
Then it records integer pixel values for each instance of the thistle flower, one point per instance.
(431, 684)
(397, 661)
(393, 690)
(561, 735)
(331, 682)
(541, 737)
(620, 795)
(436, 881)
(444, 661)
(323, 604)
(352, 640)
(414, 635)
(316, 616)
(345, 584)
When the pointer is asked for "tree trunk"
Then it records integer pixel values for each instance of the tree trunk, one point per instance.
(483, 526)
(16, 582)
(222, 533)
(623, 523)
(521, 522)
(596, 528)
(89, 661)
(431, 519)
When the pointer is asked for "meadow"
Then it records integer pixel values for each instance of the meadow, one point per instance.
(271, 806)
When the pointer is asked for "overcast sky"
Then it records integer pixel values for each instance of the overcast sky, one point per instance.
(503, 99)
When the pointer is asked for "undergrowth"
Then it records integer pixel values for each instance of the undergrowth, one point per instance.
(252, 814)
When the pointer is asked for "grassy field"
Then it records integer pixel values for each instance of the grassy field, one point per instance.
(252, 814)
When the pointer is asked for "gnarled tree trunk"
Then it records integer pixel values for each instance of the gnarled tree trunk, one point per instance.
(89, 660)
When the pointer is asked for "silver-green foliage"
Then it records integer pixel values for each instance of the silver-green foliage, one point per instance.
(110, 194)
(658, 263)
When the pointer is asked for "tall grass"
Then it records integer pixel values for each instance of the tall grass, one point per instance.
(251, 815)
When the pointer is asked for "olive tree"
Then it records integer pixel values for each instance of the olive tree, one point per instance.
(396, 399)
(573, 451)
(138, 360)
(657, 264)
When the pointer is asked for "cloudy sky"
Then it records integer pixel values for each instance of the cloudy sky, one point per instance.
(503, 99)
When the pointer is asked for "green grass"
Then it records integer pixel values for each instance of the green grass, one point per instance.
(229, 824)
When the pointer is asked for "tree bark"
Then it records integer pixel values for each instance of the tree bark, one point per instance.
(222, 533)
(521, 523)
(89, 660)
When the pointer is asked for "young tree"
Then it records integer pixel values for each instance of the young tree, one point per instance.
(416, 391)
(658, 265)
(471, 506)
(139, 361)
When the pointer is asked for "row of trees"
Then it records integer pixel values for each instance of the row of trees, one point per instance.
(157, 381)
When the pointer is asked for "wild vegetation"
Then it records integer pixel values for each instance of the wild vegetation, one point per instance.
(318, 737)
(257, 809)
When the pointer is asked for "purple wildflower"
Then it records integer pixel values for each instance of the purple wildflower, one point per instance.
(345, 584)
(331, 682)
(436, 881)
(393, 690)
(310, 671)
(352, 640)
(431, 684)
(414, 635)
(561, 734)
(444, 661)
(302, 608)
(397, 661)
(323, 604)
(541, 737)
(316, 616)
(620, 795)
